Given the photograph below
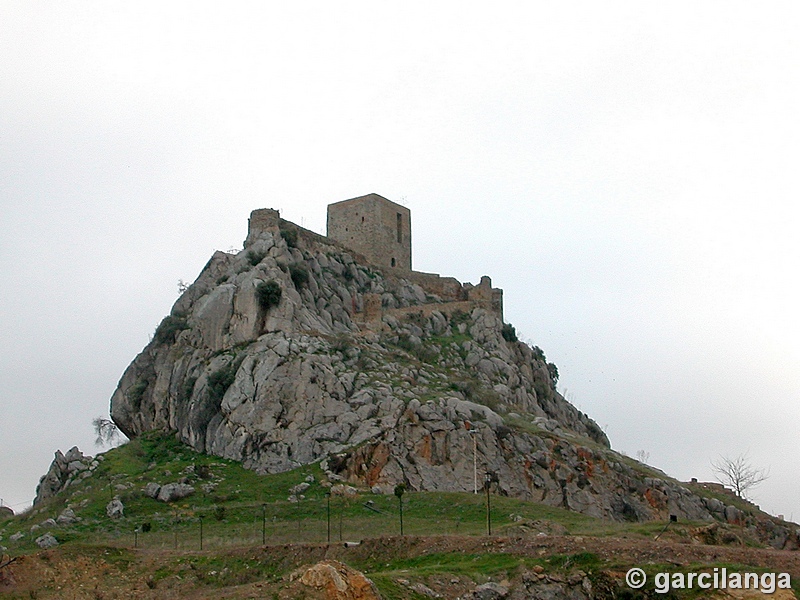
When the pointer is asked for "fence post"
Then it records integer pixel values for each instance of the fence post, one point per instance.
(328, 498)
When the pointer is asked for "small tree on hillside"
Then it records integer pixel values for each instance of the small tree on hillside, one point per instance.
(738, 473)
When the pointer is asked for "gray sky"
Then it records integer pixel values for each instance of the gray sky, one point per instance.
(624, 170)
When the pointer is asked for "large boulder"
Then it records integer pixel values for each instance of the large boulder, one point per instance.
(339, 582)
(46, 541)
(115, 509)
(174, 491)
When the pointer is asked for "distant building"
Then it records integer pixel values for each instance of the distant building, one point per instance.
(375, 227)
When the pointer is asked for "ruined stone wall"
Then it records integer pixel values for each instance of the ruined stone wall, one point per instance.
(375, 227)
(447, 288)
(485, 296)
(369, 241)
(261, 220)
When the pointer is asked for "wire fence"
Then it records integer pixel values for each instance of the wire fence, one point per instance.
(328, 520)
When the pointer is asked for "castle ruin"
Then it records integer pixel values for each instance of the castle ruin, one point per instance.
(378, 232)
(375, 227)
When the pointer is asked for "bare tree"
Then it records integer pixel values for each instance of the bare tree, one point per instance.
(106, 431)
(642, 456)
(738, 473)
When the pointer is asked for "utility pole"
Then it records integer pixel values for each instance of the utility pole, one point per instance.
(473, 433)
(486, 485)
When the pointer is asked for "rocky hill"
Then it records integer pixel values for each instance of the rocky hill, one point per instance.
(297, 350)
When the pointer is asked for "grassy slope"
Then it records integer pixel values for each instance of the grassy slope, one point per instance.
(243, 506)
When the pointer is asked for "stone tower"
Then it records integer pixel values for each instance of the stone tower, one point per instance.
(375, 227)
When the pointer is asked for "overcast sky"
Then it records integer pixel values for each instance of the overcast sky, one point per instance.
(625, 171)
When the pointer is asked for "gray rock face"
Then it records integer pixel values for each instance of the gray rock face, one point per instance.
(151, 490)
(174, 491)
(377, 377)
(46, 541)
(63, 470)
(67, 517)
(115, 509)
(489, 591)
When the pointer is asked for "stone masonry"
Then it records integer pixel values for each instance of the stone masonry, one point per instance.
(379, 232)
(375, 227)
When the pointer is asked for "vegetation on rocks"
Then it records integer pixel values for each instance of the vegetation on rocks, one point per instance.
(219, 381)
(268, 294)
(169, 329)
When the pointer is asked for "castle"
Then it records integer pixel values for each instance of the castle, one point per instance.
(375, 227)
(378, 232)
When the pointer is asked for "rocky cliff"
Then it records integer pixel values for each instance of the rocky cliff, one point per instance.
(296, 350)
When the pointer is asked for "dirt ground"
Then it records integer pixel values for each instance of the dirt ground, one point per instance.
(99, 574)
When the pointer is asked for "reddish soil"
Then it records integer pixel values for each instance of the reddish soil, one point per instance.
(69, 573)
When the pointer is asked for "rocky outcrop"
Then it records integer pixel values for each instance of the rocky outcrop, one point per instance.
(174, 491)
(46, 541)
(64, 469)
(115, 509)
(296, 350)
(339, 582)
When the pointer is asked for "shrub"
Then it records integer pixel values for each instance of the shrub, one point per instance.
(219, 381)
(203, 471)
(404, 342)
(268, 294)
(341, 344)
(135, 393)
(553, 370)
(543, 391)
(169, 328)
(509, 332)
(538, 354)
(290, 236)
(299, 275)
(255, 257)
(457, 318)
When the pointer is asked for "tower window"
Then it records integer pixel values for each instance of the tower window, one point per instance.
(394, 262)
(399, 228)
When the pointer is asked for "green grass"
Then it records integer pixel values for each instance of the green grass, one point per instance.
(252, 505)
(241, 506)
(245, 509)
